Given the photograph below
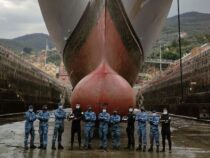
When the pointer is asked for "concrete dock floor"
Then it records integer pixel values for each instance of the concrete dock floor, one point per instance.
(190, 139)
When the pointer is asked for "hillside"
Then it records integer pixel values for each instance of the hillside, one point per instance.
(193, 23)
(196, 29)
(36, 42)
(15, 46)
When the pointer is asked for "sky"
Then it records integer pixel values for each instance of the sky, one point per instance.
(20, 17)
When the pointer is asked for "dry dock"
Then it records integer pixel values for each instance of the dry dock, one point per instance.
(191, 139)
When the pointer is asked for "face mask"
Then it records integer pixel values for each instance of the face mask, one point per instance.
(104, 110)
(165, 112)
(60, 107)
(31, 110)
(77, 106)
(115, 113)
(89, 109)
(45, 109)
(130, 110)
(153, 114)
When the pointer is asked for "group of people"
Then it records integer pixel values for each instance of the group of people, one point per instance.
(43, 117)
(89, 117)
(154, 120)
(106, 122)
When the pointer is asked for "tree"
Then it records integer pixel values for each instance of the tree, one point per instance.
(27, 50)
(170, 55)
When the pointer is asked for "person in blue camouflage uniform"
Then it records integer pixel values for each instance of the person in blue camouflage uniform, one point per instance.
(115, 129)
(154, 131)
(43, 117)
(142, 118)
(60, 116)
(30, 117)
(104, 118)
(89, 119)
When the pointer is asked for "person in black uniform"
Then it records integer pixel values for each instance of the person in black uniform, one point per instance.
(130, 129)
(76, 127)
(166, 132)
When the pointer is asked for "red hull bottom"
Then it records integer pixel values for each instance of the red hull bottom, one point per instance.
(104, 86)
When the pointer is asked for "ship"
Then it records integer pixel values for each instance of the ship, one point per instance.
(104, 43)
(22, 84)
(165, 91)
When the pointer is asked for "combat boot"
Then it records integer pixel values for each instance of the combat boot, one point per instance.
(133, 147)
(169, 148)
(53, 146)
(32, 147)
(151, 148)
(72, 146)
(44, 147)
(157, 149)
(41, 146)
(105, 149)
(85, 148)
(60, 146)
(26, 147)
(89, 146)
(144, 148)
(163, 150)
(139, 148)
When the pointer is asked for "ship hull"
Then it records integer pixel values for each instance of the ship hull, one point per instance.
(108, 41)
(110, 38)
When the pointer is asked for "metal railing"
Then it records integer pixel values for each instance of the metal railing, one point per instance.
(162, 61)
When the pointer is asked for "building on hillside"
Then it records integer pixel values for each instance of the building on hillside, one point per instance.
(62, 74)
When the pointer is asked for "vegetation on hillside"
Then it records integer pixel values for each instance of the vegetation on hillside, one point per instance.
(36, 42)
(170, 50)
(196, 27)
(30, 45)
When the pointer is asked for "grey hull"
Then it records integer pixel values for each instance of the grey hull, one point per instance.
(146, 17)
